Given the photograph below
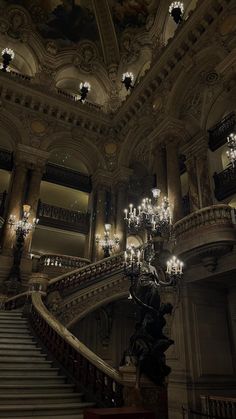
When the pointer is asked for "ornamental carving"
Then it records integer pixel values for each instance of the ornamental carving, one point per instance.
(87, 57)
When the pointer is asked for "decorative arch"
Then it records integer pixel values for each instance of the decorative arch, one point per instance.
(88, 153)
(16, 134)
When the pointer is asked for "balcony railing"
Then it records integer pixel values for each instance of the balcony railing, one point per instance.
(215, 407)
(218, 134)
(63, 218)
(225, 183)
(61, 262)
(67, 177)
(206, 226)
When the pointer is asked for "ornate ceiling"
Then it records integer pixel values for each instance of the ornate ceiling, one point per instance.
(92, 40)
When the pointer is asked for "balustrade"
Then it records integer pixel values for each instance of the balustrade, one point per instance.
(98, 379)
(61, 261)
(218, 134)
(63, 218)
(88, 274)
(216, 406)
(225, 183)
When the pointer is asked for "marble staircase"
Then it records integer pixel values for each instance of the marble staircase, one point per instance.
(30, 383)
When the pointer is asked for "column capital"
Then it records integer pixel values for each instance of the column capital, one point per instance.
(31, 157)
(197, 145)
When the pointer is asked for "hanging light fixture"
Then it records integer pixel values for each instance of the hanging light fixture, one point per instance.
(85, 87)
(127, 80)
(150, 215)
(7, 55)
(231, 153)
(176, 10)
(107, 243)
(23, 227)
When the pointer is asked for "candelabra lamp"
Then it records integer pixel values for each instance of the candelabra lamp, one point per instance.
(85, 88)
(22, 228)
(176, 10)
(107, 243)
(151, 215)
(7, 56)
(231, 153)
(127, 80)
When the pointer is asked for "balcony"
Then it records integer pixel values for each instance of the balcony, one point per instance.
(225, 183)
(67, 177)
(207, 227)
(63, 218)
(218, 134)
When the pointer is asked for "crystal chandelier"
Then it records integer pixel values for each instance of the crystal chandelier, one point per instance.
(107, 243)
(23, 226)
(7, 55)
(127, 80)
(150, 215)
(231, 153)
(176, 10)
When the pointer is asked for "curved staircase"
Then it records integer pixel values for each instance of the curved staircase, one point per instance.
(30, 381)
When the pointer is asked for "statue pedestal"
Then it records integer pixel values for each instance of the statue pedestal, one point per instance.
(147, 395)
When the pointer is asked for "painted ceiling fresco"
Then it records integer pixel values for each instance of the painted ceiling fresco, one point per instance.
(132, 13)
(68, 21)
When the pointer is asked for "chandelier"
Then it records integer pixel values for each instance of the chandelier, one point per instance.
(7, 55)
(23, 226)
(127, 80)
(176, 10)
(150, 215)
(107, 243)
(231, 153)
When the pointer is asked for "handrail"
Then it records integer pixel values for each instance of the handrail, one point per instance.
(11, 303)
(197, 413)
(86, 274)
(87, 368)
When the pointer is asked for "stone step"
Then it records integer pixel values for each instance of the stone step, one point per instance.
(13, 313)
(42, 398)
(16, 335)
(51, 417)
(21, 352)
(17, 339)
(14, 321)
(39, 379)
(46, 409)
(35, 362)
(22, 357)
(35, 388)
(21, 346)
(21, 328)
(31, 371)
(14, 330)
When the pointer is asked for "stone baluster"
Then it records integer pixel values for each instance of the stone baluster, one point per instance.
(173, 179)
(160, 170)
(15, 202)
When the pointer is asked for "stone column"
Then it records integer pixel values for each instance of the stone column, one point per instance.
(173, 180)
(193, 184)
(15, 202)
(160, 170)
(121, 204)
(32, 200)
(99, 218)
